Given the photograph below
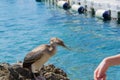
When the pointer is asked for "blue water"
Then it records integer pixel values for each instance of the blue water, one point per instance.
(25, 24)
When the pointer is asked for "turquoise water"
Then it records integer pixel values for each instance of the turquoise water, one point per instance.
(25, 24)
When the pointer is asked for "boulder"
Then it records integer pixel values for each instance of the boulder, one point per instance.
(16, 72)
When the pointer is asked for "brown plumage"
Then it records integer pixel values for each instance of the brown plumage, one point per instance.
(36, 54)
(35, 59)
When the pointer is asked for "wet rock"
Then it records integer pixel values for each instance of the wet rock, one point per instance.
(16, 72)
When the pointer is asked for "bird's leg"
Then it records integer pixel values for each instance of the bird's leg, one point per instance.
(36, 72)
(41, 77)
(37, 76)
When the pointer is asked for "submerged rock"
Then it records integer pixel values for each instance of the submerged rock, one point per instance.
(16, 72)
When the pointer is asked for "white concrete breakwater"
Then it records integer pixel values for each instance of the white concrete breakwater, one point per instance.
(99, 8)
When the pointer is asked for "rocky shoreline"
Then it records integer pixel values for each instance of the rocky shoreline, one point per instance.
(16, 72)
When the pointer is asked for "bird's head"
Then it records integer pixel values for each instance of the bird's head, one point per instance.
(57, 41)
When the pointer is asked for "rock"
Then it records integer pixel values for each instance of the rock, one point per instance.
(4, 72)
(16, 72)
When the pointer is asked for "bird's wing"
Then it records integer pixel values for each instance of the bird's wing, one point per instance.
(34, 55)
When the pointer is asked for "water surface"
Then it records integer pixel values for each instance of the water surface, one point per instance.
(25, 24)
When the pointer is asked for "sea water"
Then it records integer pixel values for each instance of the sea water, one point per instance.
(25, 24)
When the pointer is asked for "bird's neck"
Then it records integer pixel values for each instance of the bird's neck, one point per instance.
(53, 45)
(53, 49)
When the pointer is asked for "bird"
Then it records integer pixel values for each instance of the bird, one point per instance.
(36, 58)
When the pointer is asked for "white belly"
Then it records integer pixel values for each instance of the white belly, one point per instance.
(39, 63)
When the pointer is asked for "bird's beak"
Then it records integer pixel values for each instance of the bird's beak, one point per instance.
(63, 45)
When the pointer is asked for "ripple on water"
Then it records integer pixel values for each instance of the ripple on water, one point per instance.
(25, 26)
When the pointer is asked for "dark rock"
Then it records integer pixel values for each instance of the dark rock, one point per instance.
(16, 72)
